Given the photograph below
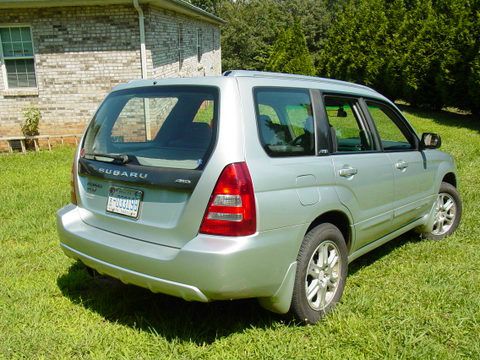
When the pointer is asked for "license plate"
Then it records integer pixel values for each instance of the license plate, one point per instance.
(124, 201)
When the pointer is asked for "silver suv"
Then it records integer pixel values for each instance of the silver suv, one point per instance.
(251, 185)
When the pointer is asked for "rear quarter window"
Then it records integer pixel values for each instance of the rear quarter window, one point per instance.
(285, 121)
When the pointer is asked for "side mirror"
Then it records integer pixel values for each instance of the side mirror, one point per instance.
(430, 141)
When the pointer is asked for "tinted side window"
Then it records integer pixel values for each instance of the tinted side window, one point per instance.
(268, 111)
(285, 121)
(348, 131)
(393, 134)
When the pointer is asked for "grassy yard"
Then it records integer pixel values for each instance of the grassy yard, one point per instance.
(408, 299)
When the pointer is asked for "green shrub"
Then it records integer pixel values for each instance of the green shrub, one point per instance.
(32, 116)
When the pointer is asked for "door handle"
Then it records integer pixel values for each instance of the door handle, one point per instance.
(401, 165)
(347, 172)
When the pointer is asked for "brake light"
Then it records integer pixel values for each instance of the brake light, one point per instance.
(73, 182)
(231, 208)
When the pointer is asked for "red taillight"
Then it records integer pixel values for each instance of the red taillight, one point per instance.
(231, 208)
(73, 182)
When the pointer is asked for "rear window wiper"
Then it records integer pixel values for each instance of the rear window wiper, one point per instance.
(110, 158)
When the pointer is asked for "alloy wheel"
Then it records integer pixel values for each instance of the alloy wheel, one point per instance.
(445, 212)
(322, 278)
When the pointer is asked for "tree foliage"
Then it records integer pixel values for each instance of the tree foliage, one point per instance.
(421, 51)
(208, 5)
(253, 27)
(290, 54)
(426, 52)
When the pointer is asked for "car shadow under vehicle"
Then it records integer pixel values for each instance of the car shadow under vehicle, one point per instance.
(163, 315)
(382, 251)
(176, 319)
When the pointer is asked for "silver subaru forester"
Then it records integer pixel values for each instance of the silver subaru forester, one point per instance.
(251, 185)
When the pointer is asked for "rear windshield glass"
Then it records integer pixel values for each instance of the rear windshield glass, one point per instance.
(158, 126)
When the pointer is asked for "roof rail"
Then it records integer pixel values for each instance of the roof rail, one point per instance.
(274, 75)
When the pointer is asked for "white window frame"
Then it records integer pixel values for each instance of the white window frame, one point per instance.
(3, 58)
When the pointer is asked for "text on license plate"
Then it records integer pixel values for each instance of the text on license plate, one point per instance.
(124, 201)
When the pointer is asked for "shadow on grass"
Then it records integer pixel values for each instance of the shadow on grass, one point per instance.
(444, 117)
(166, 316)
(382, 251)
(176, 319)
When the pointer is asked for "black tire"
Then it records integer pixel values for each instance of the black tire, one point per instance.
(324, 236)
(452, 192)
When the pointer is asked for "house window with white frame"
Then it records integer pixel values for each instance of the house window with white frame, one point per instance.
(17, 58)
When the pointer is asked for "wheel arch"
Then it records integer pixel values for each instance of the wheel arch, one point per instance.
(338, 218)
(450, 178)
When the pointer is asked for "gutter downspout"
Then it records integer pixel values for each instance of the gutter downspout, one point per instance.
(143, 50)
(143, 61)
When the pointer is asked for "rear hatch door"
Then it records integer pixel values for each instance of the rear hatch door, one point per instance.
(142, 157)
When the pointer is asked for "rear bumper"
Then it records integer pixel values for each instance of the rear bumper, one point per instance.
(133, 277)
(206, 268)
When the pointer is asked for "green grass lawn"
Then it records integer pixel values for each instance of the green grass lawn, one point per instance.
(408, 299)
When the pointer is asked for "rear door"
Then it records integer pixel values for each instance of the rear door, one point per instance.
(413, 175)
(142, 157)
(363, 174)
(285, 170)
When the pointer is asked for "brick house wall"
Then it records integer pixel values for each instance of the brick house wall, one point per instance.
(163, 44)
(82, 52)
